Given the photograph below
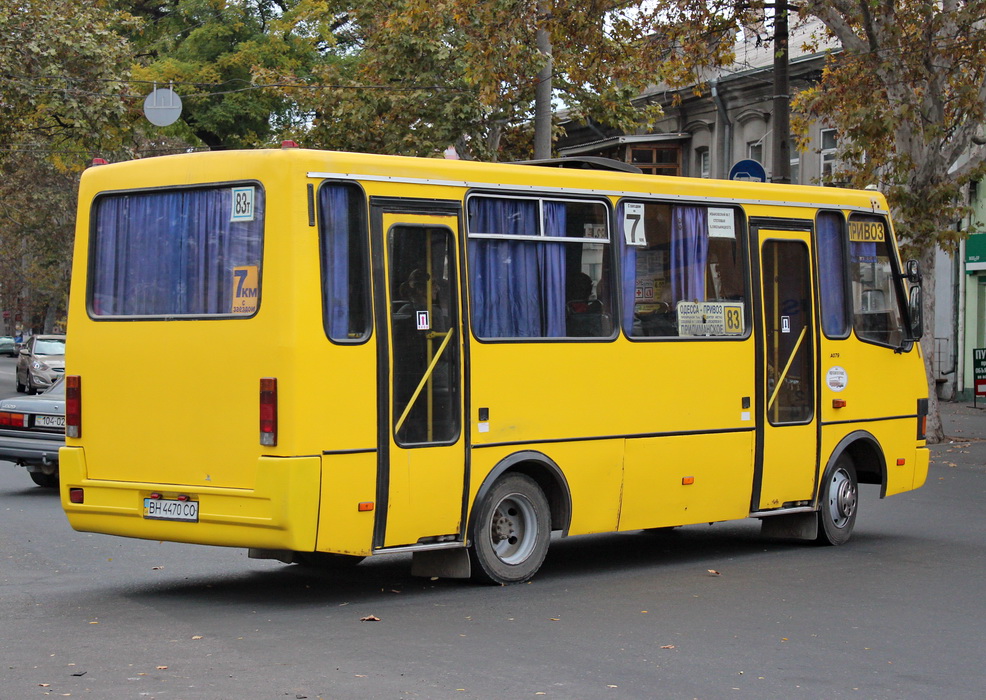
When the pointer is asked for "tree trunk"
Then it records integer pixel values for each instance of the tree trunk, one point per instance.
(542, 94)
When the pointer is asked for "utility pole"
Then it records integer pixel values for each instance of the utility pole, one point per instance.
(542, 92)
(781, 152)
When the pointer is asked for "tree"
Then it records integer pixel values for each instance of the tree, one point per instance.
(907, 95)
(208, 49)
(415, 76)
(62, 100)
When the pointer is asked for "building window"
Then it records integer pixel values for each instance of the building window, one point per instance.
(704, 162)
(754, 150)
(796, 170)
(830, 144)
(656, 160)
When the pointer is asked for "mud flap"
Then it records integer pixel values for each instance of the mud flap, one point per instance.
(442, 563)
(797, 526)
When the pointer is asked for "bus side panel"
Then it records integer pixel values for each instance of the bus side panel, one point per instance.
(281, 513)
(592, 469)
(347, 481)
(682, 480)
(897, 441)
(880, 389)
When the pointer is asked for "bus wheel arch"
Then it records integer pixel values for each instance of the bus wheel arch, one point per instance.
(518, 505)
(867, 458)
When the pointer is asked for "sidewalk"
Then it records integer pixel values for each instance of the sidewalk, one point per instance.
(965, 435)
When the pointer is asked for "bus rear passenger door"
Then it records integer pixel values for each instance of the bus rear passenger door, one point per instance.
(421, 476)
(787, 422)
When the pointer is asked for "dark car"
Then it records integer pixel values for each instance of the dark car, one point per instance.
(8, 346)
(32, 428)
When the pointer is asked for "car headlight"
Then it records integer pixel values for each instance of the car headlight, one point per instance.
(39, 366)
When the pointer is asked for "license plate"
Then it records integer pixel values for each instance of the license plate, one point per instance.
(49, 421)
(167, 509)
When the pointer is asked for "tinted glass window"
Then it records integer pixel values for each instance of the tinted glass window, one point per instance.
(832, 274)
(345, 273)
(190, 252)
(683, 270)
(539, 268)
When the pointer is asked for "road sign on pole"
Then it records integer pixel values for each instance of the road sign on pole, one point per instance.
(749, 170)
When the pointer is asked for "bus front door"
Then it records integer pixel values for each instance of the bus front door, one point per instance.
(421, 476)
(787, 422)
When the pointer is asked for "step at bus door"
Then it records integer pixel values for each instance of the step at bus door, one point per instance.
(787, 421)
(421, 475)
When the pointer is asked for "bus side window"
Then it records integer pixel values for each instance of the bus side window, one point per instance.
(345, 270)
(684, 259)
(539, 268)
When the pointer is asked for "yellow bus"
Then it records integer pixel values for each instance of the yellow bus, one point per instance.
(323, 356)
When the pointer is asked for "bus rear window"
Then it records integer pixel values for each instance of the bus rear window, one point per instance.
(188, 252)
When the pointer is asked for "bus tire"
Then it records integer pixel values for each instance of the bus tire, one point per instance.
(839, 502)
(511, 530)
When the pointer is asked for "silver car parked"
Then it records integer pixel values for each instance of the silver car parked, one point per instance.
(32, 428)
(40, 362)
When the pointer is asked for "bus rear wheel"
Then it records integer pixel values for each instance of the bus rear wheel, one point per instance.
(839, 503)
(511, 531)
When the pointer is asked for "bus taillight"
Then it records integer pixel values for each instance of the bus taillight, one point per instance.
(268, 411)
(73, 406)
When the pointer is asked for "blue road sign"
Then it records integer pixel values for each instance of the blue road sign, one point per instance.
(749, 170)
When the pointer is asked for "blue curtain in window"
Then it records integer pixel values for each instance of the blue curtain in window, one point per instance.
(689, 253)
(832, 270)
(553, 266)
(504, 281)
(170, 253)
(336, 234)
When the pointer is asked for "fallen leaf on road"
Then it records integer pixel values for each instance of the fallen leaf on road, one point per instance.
(668, 646)
(162, 668)
(714, 572)
(370, 618)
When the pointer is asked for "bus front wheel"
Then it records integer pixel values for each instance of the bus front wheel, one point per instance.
(839, 503)
(511, 531)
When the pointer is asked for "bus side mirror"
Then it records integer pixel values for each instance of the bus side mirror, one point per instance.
(915, 312)
(912, 271)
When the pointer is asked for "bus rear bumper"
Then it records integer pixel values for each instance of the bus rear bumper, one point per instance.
(281, 512)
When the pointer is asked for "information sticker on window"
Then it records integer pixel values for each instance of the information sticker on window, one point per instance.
(246, 289)
(633, 224)
(242, 207)
(710, 318)
(722, 222)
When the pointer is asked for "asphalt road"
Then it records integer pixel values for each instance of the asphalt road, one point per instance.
(899, 612)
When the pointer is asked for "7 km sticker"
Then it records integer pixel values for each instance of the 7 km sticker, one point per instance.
(246, 289)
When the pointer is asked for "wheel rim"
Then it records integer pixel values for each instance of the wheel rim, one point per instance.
(842, 498)
(513, 529)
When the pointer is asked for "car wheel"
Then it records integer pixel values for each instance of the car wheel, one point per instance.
(48, 481)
